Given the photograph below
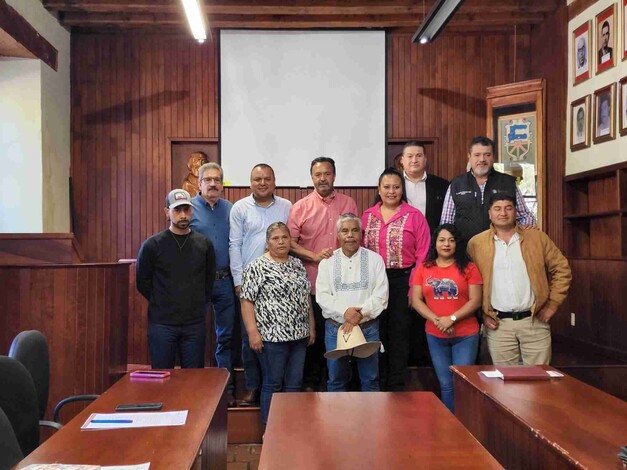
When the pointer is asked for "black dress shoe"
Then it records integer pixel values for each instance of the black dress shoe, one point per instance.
(230, 401)
(250, 398)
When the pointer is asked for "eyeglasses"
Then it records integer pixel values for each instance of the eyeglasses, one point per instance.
(209, 179)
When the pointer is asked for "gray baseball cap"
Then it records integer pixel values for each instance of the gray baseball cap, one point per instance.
(178, 197)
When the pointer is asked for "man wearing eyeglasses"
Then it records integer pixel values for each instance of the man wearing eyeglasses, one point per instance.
(211, 218)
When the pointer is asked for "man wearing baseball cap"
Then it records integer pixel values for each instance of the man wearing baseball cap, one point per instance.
(175, 273)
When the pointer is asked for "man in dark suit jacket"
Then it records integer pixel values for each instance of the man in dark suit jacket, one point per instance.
(424, 192)
(605, 52)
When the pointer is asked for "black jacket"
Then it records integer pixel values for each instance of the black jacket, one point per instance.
(436, 190)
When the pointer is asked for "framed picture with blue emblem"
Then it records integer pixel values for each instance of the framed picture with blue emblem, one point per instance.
(515, 118)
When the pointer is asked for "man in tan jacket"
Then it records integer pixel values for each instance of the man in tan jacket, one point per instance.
(525, 279)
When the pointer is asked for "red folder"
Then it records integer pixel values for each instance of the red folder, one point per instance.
(523, 373)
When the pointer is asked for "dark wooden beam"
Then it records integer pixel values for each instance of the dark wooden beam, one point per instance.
(127, 20)
(297, 14)
(15, 26)
(300, 7)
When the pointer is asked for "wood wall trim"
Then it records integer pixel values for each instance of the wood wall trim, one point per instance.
(606, 170)
(16, 26)
(578, 6)
(82, 310)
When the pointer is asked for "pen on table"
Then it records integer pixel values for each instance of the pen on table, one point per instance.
(107, 421)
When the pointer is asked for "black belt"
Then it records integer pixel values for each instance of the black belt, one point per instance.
(394, 273)
(222, 273)
(361, 325)
(514, 315)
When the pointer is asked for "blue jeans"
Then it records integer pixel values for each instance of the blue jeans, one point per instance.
(340, 369)
(223, 300)
(282, 370)
(164, 341)
(445, 352)
(250, 361)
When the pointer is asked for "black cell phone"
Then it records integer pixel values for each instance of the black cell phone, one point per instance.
(139, 407)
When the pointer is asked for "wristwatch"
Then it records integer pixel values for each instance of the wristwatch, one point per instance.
(453, 318)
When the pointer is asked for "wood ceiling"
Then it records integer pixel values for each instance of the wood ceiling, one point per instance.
(168, 16)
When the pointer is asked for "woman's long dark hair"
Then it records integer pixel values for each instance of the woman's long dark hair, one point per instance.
(391, 171)
(461, 255)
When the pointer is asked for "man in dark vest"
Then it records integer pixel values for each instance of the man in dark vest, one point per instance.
(465, 203)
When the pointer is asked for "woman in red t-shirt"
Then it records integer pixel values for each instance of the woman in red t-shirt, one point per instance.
(447, 292)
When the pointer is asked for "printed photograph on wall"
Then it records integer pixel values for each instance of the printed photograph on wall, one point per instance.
(580, 123)
(605, 34)
(622, 101)
(582, 70)
(604, 112)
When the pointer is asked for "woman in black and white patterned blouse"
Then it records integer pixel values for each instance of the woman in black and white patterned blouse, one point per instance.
(277, 313)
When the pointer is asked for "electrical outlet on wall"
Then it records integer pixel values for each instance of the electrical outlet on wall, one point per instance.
(572, 319)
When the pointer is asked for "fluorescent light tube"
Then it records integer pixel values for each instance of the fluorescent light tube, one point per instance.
(196, 19)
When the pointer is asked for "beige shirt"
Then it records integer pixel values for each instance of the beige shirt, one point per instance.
(511, 287)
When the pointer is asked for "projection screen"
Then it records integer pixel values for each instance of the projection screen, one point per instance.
(287, 97)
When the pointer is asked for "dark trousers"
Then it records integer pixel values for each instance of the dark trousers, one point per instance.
(165, 341)
(315, 375)
(250, 361)
(394, 329)
(223, 300)
(282, 370)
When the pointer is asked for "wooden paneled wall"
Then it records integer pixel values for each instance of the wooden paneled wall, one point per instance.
(81, 309)
(130, 93)
(549, 42)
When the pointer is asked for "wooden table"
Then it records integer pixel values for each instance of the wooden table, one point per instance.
(559, 423)
(367, 430)
(201, 391)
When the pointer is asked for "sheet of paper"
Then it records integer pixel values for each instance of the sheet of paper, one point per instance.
(492, 374)
(554, 373)
(62, 466)
(141, 466)
(135, 420)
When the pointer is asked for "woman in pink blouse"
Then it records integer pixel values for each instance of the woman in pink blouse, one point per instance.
(400, 234)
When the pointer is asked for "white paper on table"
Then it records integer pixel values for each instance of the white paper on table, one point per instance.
(554, 373)
(495, 374)
(135, 420)
(141, 466)
(62, 466)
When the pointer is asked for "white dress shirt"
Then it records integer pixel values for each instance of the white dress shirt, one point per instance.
(247, 235)
(417, 192)
(511, 287)
(358, 281)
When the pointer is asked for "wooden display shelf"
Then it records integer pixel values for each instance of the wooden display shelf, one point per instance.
(596, 206)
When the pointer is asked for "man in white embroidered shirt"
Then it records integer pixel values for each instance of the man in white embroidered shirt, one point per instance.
(351, 289)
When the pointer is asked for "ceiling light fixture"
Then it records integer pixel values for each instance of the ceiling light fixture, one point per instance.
(196, 19)
(434, 22)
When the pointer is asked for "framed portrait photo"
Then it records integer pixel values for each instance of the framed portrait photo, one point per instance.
(580, 123)
(582, 45)
(605, 34)
(622, 106)
(604, 112)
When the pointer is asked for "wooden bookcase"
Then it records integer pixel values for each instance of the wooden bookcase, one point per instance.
(595, 213)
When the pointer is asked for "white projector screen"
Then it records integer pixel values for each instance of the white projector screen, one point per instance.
(287, 97)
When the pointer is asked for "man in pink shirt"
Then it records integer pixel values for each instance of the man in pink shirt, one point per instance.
(312, 227)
